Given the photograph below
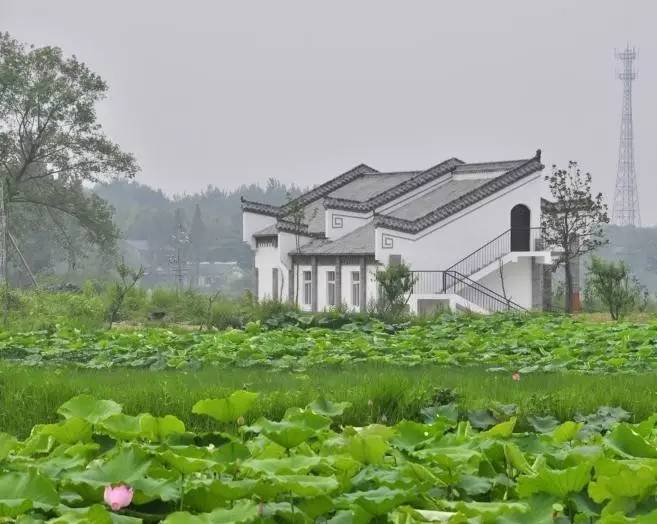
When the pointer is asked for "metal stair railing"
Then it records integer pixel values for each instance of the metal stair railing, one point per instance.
(527, 239)
(441, 282)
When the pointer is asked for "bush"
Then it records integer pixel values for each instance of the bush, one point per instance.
(395, 287)
(226, 314)
(614, 285)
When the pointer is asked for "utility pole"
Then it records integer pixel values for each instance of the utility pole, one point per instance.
(626, 196)
(180, 239)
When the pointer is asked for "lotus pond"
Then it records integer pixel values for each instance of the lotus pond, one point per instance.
(426, 424)
(100, 465)
(524, 343)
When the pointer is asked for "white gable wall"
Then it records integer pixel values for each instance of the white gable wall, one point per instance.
(447, 242)
(252, 223)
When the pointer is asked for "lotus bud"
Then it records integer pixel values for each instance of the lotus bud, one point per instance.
(240, 421)
(118, 497)
(370, 403)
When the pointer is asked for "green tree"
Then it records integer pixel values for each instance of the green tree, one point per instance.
(613, 284)
(128, 279)
(573, 222)
(51, 143)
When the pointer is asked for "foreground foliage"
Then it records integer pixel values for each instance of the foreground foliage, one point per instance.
(308, 466)
(500, 343)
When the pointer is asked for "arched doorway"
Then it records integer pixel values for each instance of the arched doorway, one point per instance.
(520, 228)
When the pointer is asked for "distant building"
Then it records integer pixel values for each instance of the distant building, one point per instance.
(470, 233)
(215, 275)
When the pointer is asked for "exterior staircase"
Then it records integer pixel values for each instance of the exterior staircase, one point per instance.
(450, 282)
(462, 278)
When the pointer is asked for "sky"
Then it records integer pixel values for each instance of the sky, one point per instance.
(227, 93)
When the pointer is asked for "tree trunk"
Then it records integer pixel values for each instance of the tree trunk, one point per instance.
(296, 285)
(568, 306)
(4, 252)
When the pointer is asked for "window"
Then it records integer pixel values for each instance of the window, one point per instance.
(355, 288)
(267, 242)
(330, 288)
(307, 288)
(274, 284)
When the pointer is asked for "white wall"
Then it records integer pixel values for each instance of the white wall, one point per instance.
(266, 258)
(517, 281)
(252, 223)
(339, 223)
(447, 242)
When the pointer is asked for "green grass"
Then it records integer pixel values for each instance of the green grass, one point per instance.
(29, 396)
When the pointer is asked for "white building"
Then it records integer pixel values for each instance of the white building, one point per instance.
(470, 232)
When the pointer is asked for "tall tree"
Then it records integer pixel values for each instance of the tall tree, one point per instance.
(51, 143)
(573, 222)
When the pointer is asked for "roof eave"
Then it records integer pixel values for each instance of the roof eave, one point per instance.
(260, 208)
(326, 253)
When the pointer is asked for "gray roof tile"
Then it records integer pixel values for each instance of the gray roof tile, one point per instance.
(368, 186)
(359, 242)
(418, 180)
(437, 197)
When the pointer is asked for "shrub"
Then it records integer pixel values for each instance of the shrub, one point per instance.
(226, 314)
(395, 287)
(614, 285)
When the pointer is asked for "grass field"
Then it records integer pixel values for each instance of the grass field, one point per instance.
(32, 395)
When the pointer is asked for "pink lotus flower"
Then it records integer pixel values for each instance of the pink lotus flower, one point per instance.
(118, 497)
(516, 377)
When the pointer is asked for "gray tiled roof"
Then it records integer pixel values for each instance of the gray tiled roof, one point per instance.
(396, 191)
(487, 167)
(310, 196)
(332, 185)
(443, 194)
(359, 242)
(364, 189)
(290, 227)
(260, 208)
(488, 188)
(267, 232)
(367, 186)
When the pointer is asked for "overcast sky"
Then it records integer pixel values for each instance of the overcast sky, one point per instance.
(225, 93)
